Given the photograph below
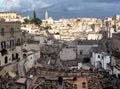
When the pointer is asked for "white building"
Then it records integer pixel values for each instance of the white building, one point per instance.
(100, 59)
(32, 57)
(94, 36)
(30, 30)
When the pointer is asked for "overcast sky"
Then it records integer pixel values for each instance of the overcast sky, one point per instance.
(63, 8)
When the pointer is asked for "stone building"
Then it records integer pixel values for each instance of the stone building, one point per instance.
(11, 40)
(8, 16)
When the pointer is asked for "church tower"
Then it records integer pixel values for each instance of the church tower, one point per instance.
(46, 15)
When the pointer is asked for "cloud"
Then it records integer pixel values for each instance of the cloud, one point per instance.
(9, 4)
(23, 5)
(63, 8)
(102, 1)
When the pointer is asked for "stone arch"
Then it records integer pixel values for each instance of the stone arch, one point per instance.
(12, 43)
(3, 44)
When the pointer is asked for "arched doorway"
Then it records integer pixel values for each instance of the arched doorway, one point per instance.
(17, 55)
(60, 80)
(6, 60)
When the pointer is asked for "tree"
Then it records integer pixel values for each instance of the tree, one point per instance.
(48, 27)
(57, 33)
(26, 21)
(35, 20)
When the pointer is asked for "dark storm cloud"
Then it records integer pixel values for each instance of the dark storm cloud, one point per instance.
(63, 8)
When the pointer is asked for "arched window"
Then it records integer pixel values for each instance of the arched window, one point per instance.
(11, 43)
(3, 44)
(18, 42)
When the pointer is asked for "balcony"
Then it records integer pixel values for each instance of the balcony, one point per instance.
(3, 52)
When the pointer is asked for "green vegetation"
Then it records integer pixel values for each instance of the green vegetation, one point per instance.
(77, 20)
(36, 21)
(57, 33)
(48, 27)
(69, 25)
(26, 21)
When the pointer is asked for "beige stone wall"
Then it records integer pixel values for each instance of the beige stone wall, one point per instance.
(9, 15)
(7, 31)
(68, 54)
(7, 37)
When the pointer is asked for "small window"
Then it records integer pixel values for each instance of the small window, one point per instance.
(81, 52)
(2, 31)
(11, 43)
(12, 31)
(3, 44)
(6, 60)
(98, 56)
(102, 57)
(18, 42)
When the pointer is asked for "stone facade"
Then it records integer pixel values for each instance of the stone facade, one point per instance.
(10, 39)
(8, 16)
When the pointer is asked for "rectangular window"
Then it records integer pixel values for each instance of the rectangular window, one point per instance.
(2, 31)
(12, 31)
(3, 44)
(81, 52)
